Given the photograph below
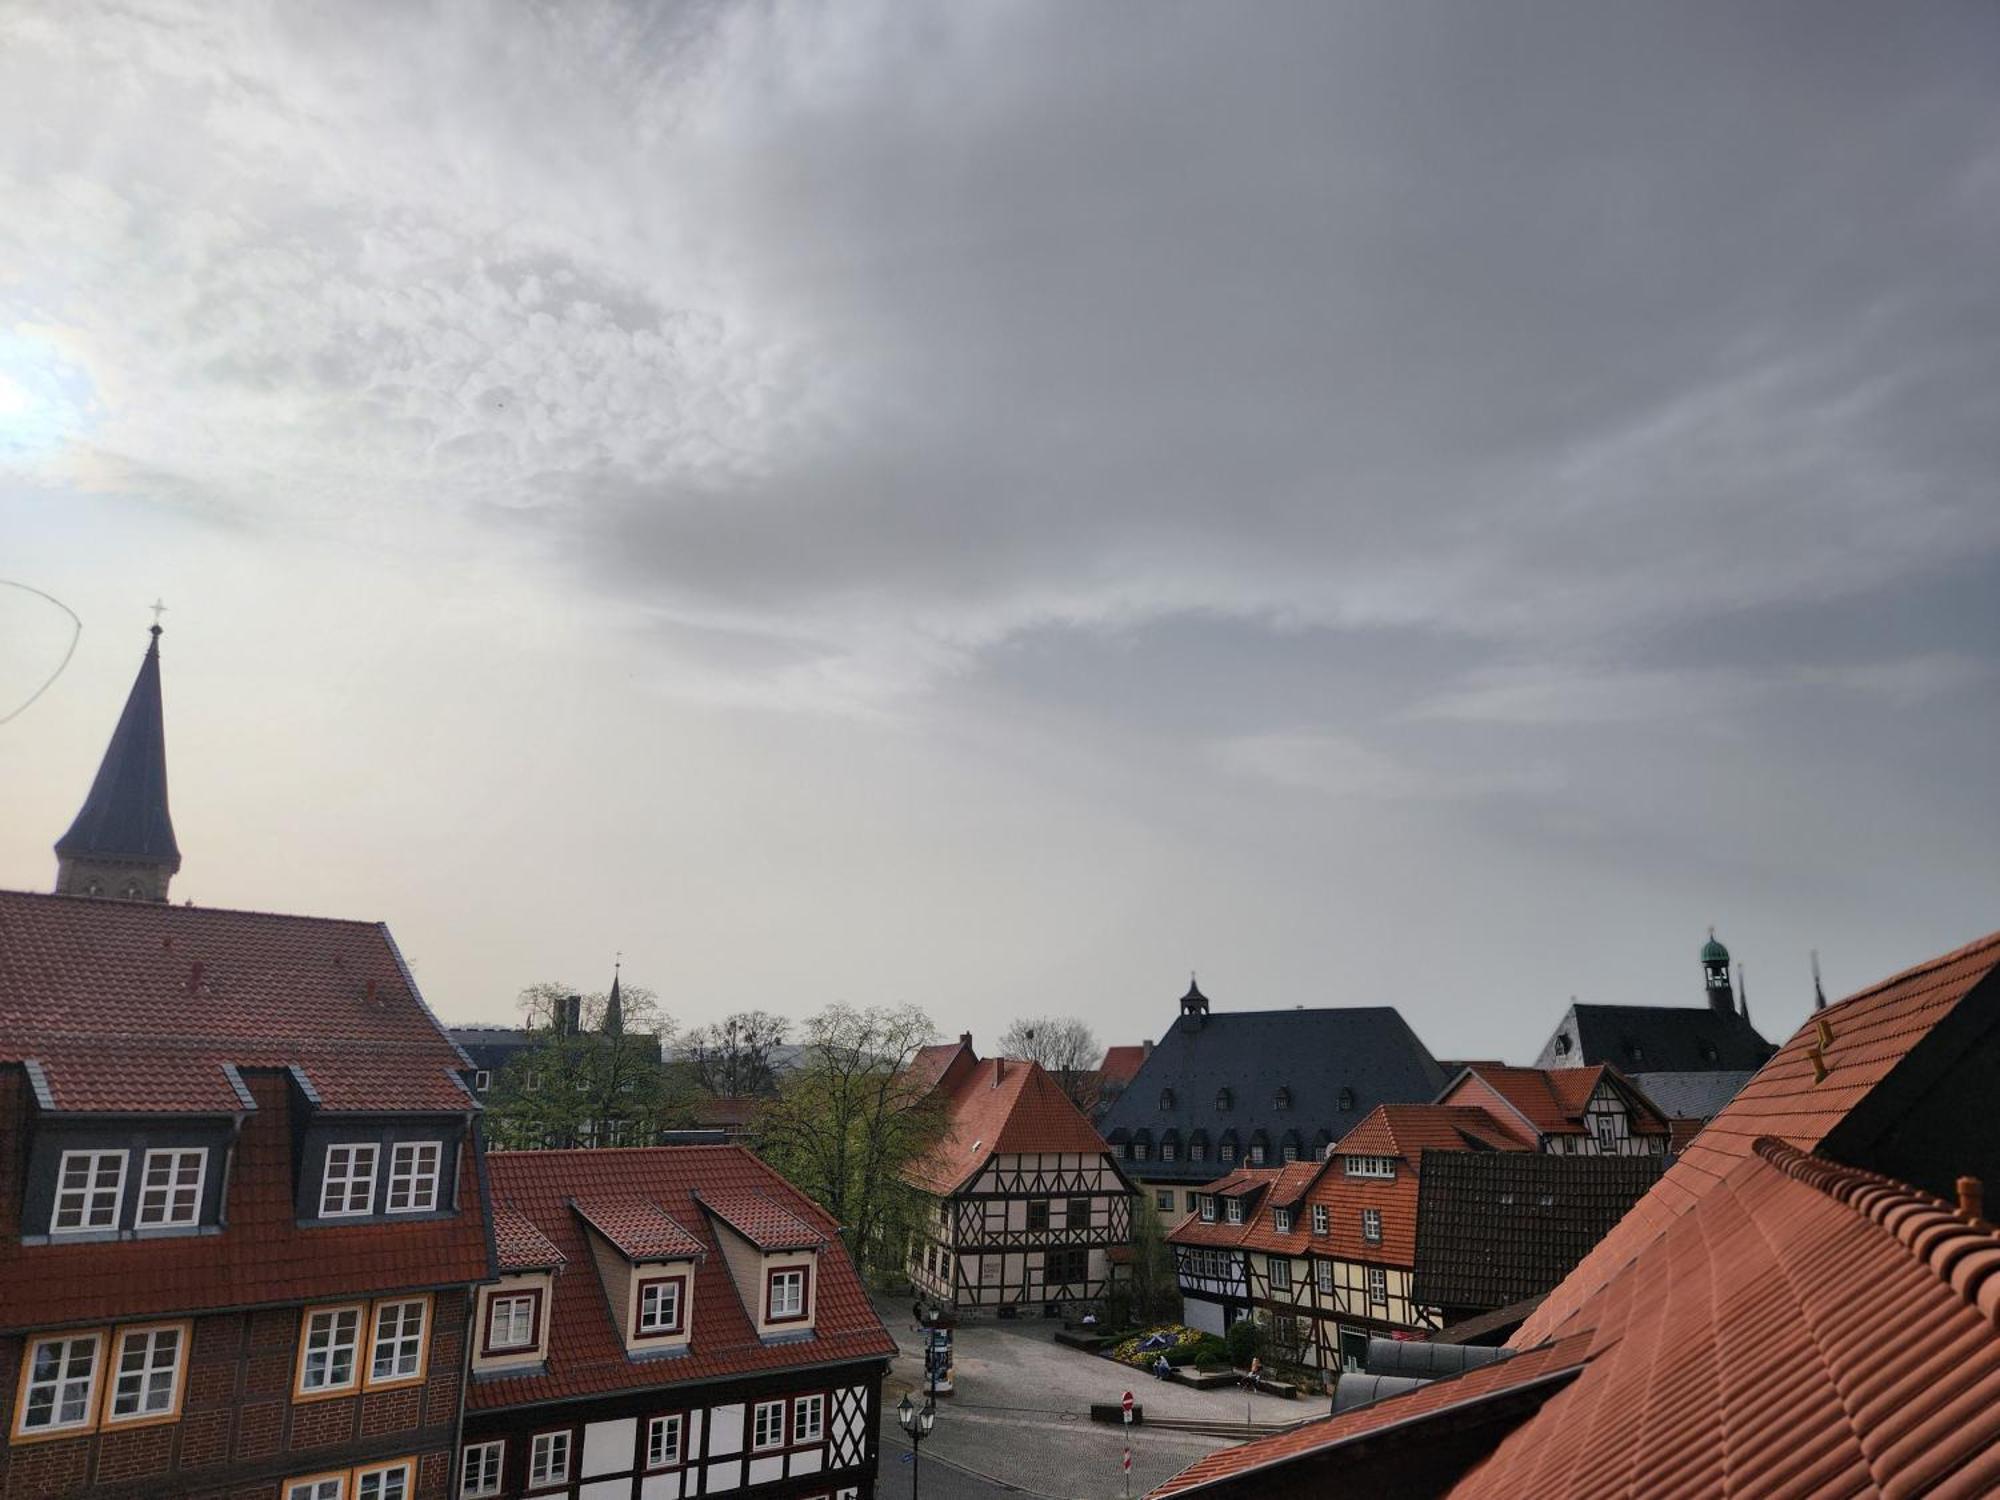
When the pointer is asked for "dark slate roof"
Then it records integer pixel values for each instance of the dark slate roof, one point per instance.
(1495, 1227)
(1657, 1039)
(1692, 1096)
(125, 815)
(1368, 1050)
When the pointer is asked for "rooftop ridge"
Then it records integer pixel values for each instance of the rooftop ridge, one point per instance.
(1942, 961)
(1962, 1253)
(189, 908)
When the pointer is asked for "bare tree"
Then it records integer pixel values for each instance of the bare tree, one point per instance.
(1067, 1050)
(733, 1056)
(846, 1124)
(584, 1087)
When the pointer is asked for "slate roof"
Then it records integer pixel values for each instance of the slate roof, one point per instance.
(1692, 1096)
(125, 814)
(586, 1357)
(761, 1219)
(1875, 1033)
(1005, 1105)
(1495, 1228)
(1314, 1054)
(1656, 1038)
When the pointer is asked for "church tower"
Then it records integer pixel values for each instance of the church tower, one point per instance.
(1715, 976)
(122, 842)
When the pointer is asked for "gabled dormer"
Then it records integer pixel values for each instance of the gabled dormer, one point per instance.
(773, 1259)
(511, 1326)
(646, 1261)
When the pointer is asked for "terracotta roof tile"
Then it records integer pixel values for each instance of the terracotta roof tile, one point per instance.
(639, 1230)
(1409, 1130)
(1005, 1105)
(135, 1007)
(521, 1246)
(586, 1356)
(1873, 1031)
(1120, 1064)
(761, 1220)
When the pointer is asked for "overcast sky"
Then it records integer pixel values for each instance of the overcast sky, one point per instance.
(997, 505)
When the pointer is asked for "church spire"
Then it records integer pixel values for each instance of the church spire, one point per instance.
(122, 842)
(614, 1006)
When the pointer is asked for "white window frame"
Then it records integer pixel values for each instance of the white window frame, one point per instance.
(481, 1468)
(148, 1337)
(760, 1440)
(791, 1310)
(1279, 1269)
(64, 1378)
(1378, 1287)
(1371, 1225)
(543, 1470)
(315, 1487)
(89, 1196)
(661, 1291)
(1383, 1167)
(1233, 1210)
(157, 1202)
(501, 1302)
(1258, 1151)
(406, 1345)
(482, 1080)
(1607, 1135)
(660, 1452)
(331, 1317)
(353, 1154)
(816, 1404)
(1281, 1220)
(383, 1473)
(418, 1185)
(1207, 1208)
(1321, 1224)
(1323, 1277)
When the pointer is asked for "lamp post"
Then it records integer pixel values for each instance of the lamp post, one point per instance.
(917, 1422)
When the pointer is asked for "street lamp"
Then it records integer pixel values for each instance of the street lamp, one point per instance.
(917, 1422)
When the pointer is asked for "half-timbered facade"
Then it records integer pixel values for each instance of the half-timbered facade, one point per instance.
(1567, 1111)
(668, 1322)
(1026, 1208)
(1322, 1252)
(240, 1212)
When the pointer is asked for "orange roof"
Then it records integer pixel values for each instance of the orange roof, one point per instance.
(1872, 1032)
(1408, 1130)
(1120, 1063)
(1006, 1105)
(928, 1065)
(1813, 1329)
(1553, 1100)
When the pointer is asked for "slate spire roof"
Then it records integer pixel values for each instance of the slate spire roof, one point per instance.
(614, 1007)
(125, 816)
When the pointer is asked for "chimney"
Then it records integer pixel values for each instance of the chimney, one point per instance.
(1971, 1199)
(999, 1070)
(1146, 1048)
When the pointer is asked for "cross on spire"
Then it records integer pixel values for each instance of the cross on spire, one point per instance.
(158, 607)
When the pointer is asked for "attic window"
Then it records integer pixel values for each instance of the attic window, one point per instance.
(1347, 1098)
(1223, 1100)
(1708, 1053)
(1634, 1051)
(1562, 1044)
(1282, 1099)
(1166, 1099)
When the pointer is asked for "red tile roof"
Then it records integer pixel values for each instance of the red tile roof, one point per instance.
(1000, 1105)
(1120, 1064)
(761, 1220)
(1873, 1031)
(1409, 1130)
(637, 1229)
(586, 1357)
(1553, 1100)
(521, 1246)
(1326, 1435)
(136, 1007)
(727, 1111)
(263, 1257)
(928, 1065)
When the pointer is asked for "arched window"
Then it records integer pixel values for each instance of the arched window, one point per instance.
(1562, 1044)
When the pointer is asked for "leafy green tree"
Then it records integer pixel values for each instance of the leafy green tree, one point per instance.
(587, 1087)
(846, 1125)
(1155, 1286)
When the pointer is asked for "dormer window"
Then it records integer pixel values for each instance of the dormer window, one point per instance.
(347, 1188)
(511, 1322)
(1634, 1051)
(1223, 1100)
(1166, 1099)
(1234, 1212)
(1281, 1220)
(1562, 1044)
(413, 1176)
(170, 1189)
(1347, 1099)
(1708, 1052)
(660, 1302)
(90, 1187)
(1207, 1208)
(1282, 1099)
(1370, 1166)
(785, 1294)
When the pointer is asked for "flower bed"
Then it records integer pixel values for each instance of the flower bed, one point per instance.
(1188, 1345)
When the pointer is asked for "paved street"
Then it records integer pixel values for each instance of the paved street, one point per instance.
(1020, 1421)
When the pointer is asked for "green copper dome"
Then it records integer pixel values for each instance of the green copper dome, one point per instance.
(1713, 952)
